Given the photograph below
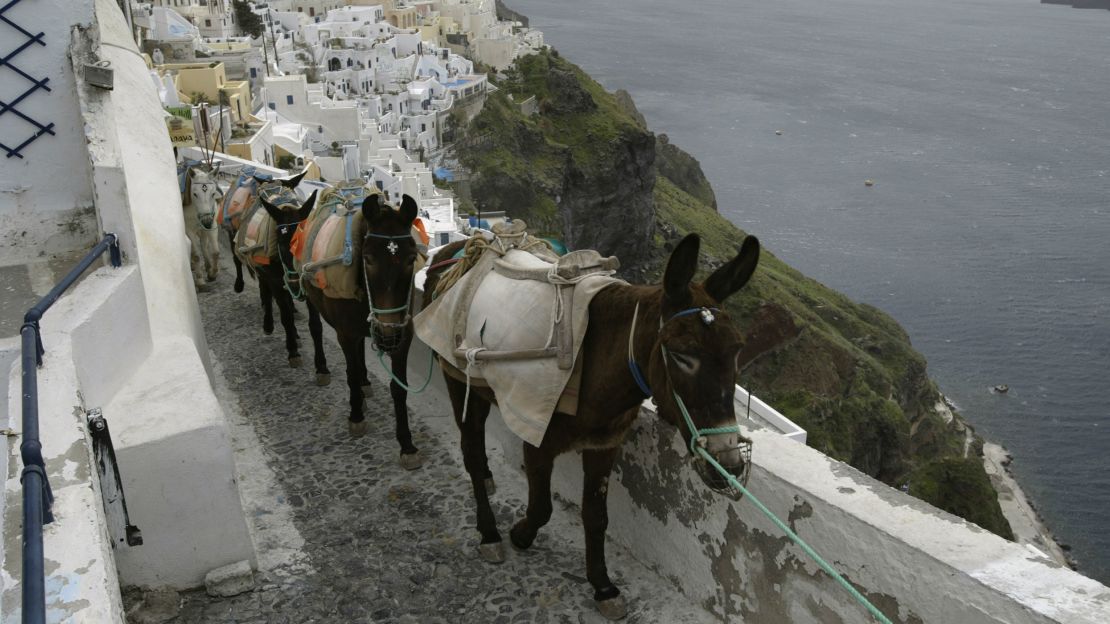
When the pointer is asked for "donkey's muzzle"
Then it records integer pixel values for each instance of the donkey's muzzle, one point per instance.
(387, 337)
(206, 221)
(733, 453)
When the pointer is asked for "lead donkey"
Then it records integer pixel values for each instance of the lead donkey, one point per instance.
(671, 341)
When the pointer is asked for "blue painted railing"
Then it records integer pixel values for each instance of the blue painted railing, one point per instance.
(37, 496)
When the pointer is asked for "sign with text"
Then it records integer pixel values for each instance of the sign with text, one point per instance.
(181, 132)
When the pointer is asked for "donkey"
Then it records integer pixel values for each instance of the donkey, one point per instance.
(233, 205)
(386, 268)
(688, 349)
(275, 286)
(199, 203)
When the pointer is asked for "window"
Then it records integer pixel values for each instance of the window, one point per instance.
(254, 73)
(423, 127)
(289, 100)
(271, 105)
(311, 11)
(207, 23)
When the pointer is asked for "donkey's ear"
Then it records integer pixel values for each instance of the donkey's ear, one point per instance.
(371, 206)
(305, 209)
(408, 209)
(732, 276)
(292, 183)
(273, 210)
(216, 171)
(681, 267)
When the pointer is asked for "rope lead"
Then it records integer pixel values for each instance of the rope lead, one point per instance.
(794, 537)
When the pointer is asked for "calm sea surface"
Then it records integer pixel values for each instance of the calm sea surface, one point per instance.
(984, 124)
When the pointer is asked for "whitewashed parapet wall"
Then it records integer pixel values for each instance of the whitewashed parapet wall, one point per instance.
(914, 562)
(128, 341)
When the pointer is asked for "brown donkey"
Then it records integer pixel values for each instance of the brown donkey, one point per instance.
(386, 270)
(682, 350)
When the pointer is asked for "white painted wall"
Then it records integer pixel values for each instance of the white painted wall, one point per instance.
(45, 197)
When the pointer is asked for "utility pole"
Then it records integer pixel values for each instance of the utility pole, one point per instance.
(273, 37)
(265, 54)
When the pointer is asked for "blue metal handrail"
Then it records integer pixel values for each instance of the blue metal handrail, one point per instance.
(38, 499)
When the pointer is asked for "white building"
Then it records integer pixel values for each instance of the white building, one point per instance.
(213, 18)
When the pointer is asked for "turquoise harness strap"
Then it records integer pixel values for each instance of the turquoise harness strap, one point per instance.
(348, 246)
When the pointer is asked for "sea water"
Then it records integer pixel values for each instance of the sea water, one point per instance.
(984, 127)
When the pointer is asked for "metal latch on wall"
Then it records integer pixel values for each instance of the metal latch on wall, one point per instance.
(100, 74)
(111, 483)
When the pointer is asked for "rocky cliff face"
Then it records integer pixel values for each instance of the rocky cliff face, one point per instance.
(582, 170)
(586, 169)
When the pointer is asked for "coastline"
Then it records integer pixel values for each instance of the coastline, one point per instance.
(1028, 528)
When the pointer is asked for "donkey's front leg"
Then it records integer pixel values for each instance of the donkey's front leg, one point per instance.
(316, 330)
(196, 261)
(266, 298)
(399, 361)
(352, 345)
(211, 240)
(537, 464)
(285, 309)
(597, 464)
(472, 427)
(238, 287)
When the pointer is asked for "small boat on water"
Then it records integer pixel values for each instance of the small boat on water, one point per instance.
(1000, 389)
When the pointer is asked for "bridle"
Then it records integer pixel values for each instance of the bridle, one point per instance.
(699, 438)
(290, 277)
(213, 195)
(399, 329)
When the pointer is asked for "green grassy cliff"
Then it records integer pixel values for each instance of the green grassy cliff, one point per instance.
(587, 169)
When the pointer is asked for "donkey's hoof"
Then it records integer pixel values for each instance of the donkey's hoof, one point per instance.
(323, 379)
(357, 429)
(238, 287)
(492, 553)
(267, 331)
(411, 461)
(519, 538)
(491, 486)
(613, 608)
(295, 361)
(367, 390)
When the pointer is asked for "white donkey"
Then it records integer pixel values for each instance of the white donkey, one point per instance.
(200, 202)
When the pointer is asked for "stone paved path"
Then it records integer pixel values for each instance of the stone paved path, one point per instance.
(346, 535)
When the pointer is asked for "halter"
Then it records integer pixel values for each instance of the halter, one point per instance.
(207, 228)
(699, 438)
(372, 318)
(290, 275)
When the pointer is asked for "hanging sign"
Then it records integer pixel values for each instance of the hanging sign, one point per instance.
(181, 132)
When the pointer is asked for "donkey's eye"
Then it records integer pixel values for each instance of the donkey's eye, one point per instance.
(687, 364)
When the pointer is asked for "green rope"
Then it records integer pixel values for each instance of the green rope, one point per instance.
(431, 363)
(779, 523)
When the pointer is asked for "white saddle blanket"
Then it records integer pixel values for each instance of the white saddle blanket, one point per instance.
(511, 315)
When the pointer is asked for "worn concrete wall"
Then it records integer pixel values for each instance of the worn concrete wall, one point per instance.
(916, 563)
(171, 435)
(45, 196)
